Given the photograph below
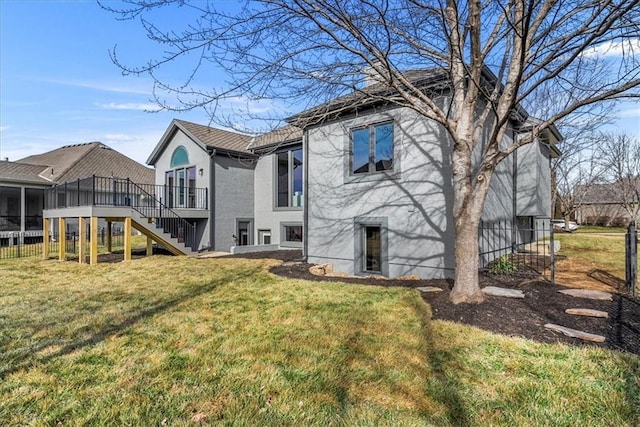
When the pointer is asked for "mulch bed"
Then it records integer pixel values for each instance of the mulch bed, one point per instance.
(513, 317)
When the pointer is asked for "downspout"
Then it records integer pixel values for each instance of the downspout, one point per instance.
(212, 200)
(305, 196)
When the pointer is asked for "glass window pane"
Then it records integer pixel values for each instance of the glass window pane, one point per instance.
(384, 147)
(169, 182)
(297, 178)
(181, 187)
(293, 233)
(373, 249)
(191, 183)
(283, 180)
(360, 158)
(179, 157)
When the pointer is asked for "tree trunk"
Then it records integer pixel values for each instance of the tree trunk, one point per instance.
(466, 287)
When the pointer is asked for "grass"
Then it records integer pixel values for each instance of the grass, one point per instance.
(182, 341)
(602, 251)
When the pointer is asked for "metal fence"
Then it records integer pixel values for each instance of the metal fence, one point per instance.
(30, 244)
(631, 259)
(523, 247)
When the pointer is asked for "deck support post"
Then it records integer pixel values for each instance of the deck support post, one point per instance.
(109, 233)
(82, 232)
(149, 246)
(46, 225)
(93, 252)
(127, 238)
(62, 239)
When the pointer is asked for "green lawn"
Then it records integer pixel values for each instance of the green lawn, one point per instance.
(602, 246)
(178, 341)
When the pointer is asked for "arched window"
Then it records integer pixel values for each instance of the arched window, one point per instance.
(179, 157)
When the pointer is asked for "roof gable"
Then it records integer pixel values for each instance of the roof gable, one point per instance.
(204, 136)
(22, 172)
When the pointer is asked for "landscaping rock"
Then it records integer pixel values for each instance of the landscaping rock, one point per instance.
(588, 293)
(585, 336)
(429, 289)
(321, 269)
(586, 312)
(408, 277)
(502, 292)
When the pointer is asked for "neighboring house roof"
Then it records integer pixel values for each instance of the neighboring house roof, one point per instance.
(281, 136)
(79, 161)
(602, 193)
(207, 137)
(22, 172)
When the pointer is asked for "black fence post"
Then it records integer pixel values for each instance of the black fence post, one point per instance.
(78, 195)
(128, 202)
(631, 259)
(552, 254)
(93, 190)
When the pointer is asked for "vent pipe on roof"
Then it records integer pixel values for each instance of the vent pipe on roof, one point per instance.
(6, 159)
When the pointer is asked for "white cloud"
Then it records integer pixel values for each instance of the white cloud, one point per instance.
(614, 48)
(3, 128)
(633, 112)
(139, 106)
(101, 86)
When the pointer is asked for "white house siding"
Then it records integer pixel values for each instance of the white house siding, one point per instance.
(233, 181)
(415, 203)
(267, 216)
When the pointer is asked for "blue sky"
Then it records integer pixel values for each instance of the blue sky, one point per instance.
(58, 85)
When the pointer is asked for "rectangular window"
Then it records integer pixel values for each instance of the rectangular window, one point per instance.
(191, 189)
(291, 235)
(289, 177)
(181, 181)
(169, 185)
(372, 249)
(372, 149)
(264, 237)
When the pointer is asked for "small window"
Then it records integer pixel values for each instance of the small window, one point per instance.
(372, 249)
(179, 157)
(291, 235)
(372, 149)
(264, 237)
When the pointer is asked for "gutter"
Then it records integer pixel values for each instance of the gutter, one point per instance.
(305, 197)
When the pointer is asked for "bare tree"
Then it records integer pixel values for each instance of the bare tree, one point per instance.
(495, 55)
(620, 156)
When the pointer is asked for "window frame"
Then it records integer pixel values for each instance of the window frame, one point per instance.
(371, 128)
(290, 179)
(359, 261)
(283, 234)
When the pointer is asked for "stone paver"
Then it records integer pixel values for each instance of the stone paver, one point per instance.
(588, 293)
(502, 292)
(429, 289)
(585, 336)
(586, 312)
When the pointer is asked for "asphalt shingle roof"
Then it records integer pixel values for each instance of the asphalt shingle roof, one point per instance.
(288, 133)
(217, 138)
(22, 172)
(78, 161)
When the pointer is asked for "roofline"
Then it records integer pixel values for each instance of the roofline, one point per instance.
(165, 139)
(285, 143)
(518, 113)
(27, 181)
(216, 150)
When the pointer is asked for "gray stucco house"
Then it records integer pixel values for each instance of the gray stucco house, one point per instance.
(366, 188)
(239, 190)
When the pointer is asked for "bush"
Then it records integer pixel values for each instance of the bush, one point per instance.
(503, 265)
